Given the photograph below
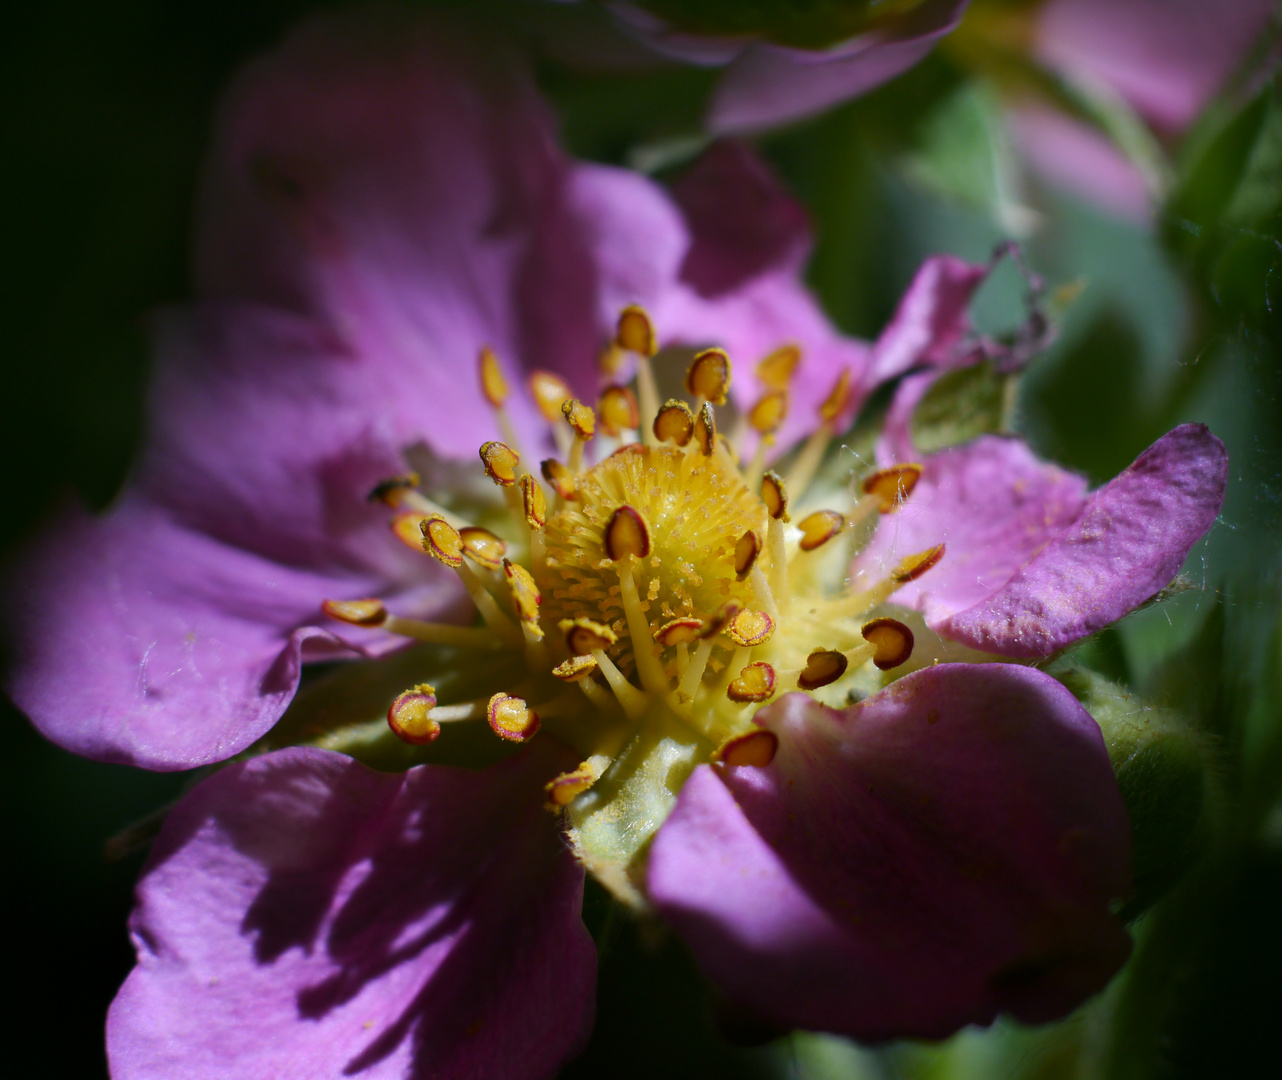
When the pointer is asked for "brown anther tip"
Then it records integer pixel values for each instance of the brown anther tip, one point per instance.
(575, 668)
(525, 593)
(408, 527)
(749, 628)
(626, 533)
(915, 565)
(775, 495)
(769, 412)
(584, 637)
(721, 618)
(568, 786)
(709, 376)
(356, 612)
(560, 477)
(892, 640)
(617, 410)
(756, 682)
(410, 717)
(391, 490)
(534, 501)
(549, 392)
(838, 398)
(442, 541)
(511, 719)
(483, 547)
(818, 528)
(500, 462)
(746, 550)
(635, 331)
(823, 666)
(705, 429)
(674, 423)
(681, 631)
(493, 385)
(890, 487)
(756, 748)
(775, 371)
(580, 417)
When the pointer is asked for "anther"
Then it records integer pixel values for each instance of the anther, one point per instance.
(838, 398)
(911, 568)
(560, 477)
(373, 613)
(775, 371)
(410, 716)
(811, 454)
(525, 595)
(755, 748)
(754, 683)
(500, 462)
(818, 528)
(823, 666)
(749, 628)
(891, 487)
(549, 392)
(769, 412)
(511, 719)
(746, 550)
(583, 637)
(493, 385)
(636, 332)
(442, 541)
(721, 618)
(408, 528)
(569, 786)
(534, 502)
(626, 533)
(683, 631)
(356, 612)
(575, 668)
(708, 378)
(674, 423)
(892, 640)
(391, 491)
(617, 411)
(775, 495)
(482, 546)
(705, 429)
(580, 417)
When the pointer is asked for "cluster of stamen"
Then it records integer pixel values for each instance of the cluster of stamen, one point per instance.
(663, 572)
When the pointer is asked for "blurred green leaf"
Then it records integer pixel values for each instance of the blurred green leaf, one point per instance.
(960, 406)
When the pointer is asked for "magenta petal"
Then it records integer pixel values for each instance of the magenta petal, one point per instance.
(943, 851)
(305, 916)
(1127, 545)
(134, 639)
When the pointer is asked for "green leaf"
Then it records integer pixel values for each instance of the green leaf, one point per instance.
(960, 406)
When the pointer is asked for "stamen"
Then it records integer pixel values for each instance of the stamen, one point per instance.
(627, 536)
(694, 673)
(569, 786)
(408, 499)
(634, 702)
(775, 371)
(356, 612)
(635, 333)
(550, 392)
(583, 422)
(755, 748)
(818, 528)
(525, 598)
(410, 716)
(891, 487)
(755, 683)
(674, 423)
(626, 533)
(494, 388)
(812, 453)
(683, 631)
(479, 545)
(500, 462)
(746, 551)
(575, 668)
(911, 568)
(617, 410)
(584, 637)
(857, 603)
(708, 378)
(562, 479)
(391, 491)
(705, 429)
(372, 613)
(823, 666)
(765, 417)
(750, 628)
(511, 719)
(892, 640)
(535, 505)
(774, 493)
(442, 541)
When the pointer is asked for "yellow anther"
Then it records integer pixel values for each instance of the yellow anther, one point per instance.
(890, 487)
(776, 370)
(610, 359)
(749, 628)
(584, 637)
(626, 533)
(392, 490)
(915, 565)
(838, 398)
(617, 410)
(482, 547)
(892, 640)
(636, 332)
(709, 376)
(705, 429)
(580, 417)
(408, 528)
(525, 593)
(493, 385)
(818, 528)
(549, 392)
(754, 683)
(356, 612)
(823, 666)
(534, 501)
(511, 719)
(769, 412)
(442, 540)
(721, 618)
(775, 495)
(568, 786)
(500, 462)
(682, 631)
(674, 423)
(410, 715)
(576, 668)
(756, 748)
(746, 550)
(560, 477)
